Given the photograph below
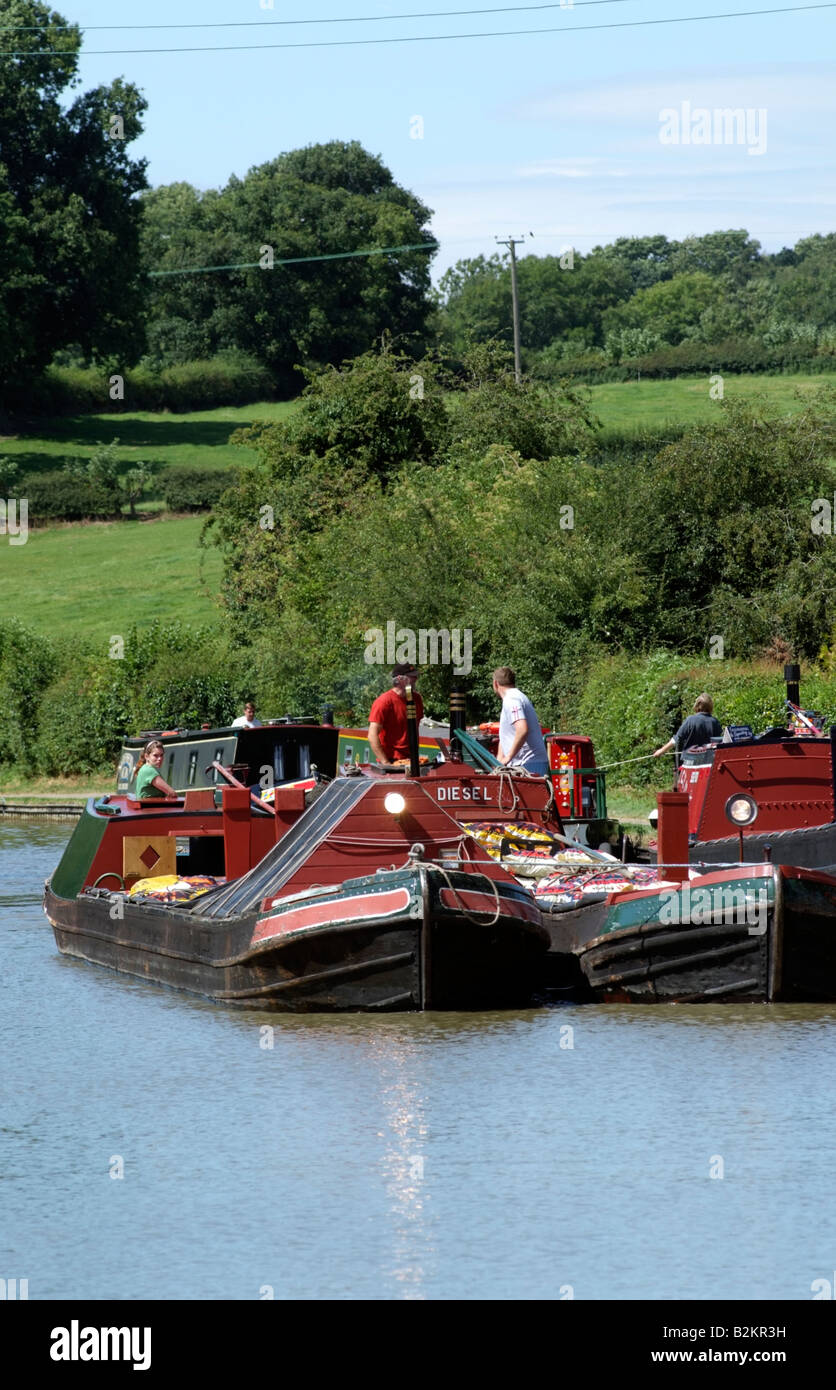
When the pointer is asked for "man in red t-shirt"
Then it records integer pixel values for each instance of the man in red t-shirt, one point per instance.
(387, 718)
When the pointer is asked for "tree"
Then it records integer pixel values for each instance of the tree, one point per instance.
(733, 254)
(670, 309)
(319, 202)
(559, 296)
(69, 222)
(721, 521)
(645, 259)
(806, 292)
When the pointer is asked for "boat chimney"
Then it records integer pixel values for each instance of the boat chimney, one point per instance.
(412, 730)
(328, 716)
(672, 852)
(458, 720)
(792, 675)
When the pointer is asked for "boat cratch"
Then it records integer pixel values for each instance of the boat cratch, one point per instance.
(363, 894)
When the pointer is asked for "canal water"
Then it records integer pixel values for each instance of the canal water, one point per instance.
(156, 1145)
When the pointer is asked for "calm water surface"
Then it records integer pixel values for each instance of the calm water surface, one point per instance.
(435, 1156)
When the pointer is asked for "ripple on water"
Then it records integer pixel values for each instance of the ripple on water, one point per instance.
(502, 1155)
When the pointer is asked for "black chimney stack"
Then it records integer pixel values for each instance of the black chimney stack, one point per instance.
(792, 675)
(458, 720)
(412, 731)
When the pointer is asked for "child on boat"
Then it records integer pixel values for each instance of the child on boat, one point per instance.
(148, 780)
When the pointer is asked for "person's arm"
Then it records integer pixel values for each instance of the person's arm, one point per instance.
(520, 734)
(161, 785)
(666, 747)
(375, 744)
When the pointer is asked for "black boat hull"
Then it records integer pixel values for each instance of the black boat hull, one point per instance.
(663, 947)
(407, 941)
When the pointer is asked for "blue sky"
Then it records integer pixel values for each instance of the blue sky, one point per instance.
(556, 133)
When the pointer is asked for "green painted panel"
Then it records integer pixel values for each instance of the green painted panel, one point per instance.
(68, 879)
(695, 904)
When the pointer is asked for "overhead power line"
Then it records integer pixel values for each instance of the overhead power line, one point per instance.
(277, 23)
(297, 260)
(417, 38)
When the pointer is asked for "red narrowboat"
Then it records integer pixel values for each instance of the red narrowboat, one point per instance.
(365, 894)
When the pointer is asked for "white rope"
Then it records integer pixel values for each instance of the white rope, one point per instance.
(438, 868)
(642, 758)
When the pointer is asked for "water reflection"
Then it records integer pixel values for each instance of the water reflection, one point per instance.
(400, 1156)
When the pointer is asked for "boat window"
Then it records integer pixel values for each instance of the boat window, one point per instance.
(304, 760)
(192, 766)
(170, 769)
(219, 753)
(698, 757)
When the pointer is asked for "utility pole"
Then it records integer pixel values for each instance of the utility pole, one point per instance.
(511, 243)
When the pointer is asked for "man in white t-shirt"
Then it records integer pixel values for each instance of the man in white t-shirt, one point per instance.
(520, 736)
(247, 720)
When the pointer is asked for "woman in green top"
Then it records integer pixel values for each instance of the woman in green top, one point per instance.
(148, 780)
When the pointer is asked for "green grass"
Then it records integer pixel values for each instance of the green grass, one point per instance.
(630, 406)
(632, 804)
(200, 438)
(96, 580)
(92, 582)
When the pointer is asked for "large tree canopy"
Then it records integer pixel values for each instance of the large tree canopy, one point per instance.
(314, 202)
(69, 220)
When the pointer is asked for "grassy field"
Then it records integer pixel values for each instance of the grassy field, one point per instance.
(94, 580)
(200, 438)
(90, 582)
(633, 406)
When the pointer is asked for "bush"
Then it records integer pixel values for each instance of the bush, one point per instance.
(27, 663)
(60, 496)
(188, 489)
(732, 355)
(231, 379)
(171, 676)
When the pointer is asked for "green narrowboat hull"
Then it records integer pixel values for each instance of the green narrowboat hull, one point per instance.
(704, 942)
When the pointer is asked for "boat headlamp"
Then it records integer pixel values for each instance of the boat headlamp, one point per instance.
(741, 810)
(394, 803)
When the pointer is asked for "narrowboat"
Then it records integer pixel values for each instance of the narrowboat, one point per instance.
(284, 750)
(767, 795)
(771, 792)
(363, 894)
(756, 933)
(742, 931)
(289, 750)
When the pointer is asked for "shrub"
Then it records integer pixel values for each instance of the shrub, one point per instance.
(27, 663)
(189, 489)
(59, 496)
(229, 379)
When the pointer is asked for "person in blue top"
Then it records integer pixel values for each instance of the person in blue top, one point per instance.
(699, 728)
(520, 736)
